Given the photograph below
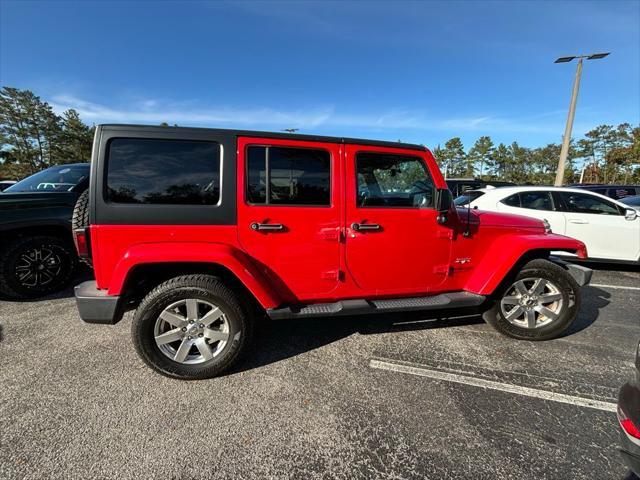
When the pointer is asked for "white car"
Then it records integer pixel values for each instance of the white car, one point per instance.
(610, 229)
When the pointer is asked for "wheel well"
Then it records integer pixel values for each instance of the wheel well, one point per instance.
(143, 278)
(525, 258)
(57, 231)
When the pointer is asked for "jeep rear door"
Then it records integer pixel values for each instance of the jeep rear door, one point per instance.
(394, 245)
(289, 213)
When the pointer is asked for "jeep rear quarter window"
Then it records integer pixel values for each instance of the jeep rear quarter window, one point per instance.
(153, 171)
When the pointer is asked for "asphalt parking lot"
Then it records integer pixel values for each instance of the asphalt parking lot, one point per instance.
(405, 396)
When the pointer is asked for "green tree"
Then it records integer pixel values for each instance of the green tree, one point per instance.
(29, 129)
(481, 153)
(76, 139)
(454, 158)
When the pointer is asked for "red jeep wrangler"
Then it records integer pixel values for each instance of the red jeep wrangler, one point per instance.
(203, 230)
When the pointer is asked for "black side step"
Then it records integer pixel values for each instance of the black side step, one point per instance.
(360, 306)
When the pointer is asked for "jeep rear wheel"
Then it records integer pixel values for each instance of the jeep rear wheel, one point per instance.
(32, 267)
(539, 304)
(191, 327)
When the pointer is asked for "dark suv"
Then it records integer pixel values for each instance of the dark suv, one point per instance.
(37, 255)
(205, 230)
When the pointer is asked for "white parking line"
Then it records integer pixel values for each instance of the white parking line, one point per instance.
(482, 383)
(619, 287)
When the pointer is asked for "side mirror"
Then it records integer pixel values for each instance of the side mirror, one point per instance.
(444, 199)
(630, 214)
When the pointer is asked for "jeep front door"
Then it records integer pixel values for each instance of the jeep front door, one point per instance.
(394, 245)
(289, 213)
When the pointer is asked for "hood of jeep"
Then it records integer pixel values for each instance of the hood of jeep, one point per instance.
(484, 219)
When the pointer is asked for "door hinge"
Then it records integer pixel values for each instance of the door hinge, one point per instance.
(442, 269)
(331, 234)
(331, 275)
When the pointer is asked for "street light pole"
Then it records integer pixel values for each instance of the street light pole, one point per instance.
(566, 140)
(567, 130)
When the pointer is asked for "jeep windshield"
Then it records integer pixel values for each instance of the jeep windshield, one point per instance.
(61, 178)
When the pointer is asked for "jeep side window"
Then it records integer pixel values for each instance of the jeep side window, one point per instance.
(536, 200)
(288, 176)
(390, 180)
(152, 171)
(585, 203)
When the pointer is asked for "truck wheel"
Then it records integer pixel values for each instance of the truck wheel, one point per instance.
(540, 304)
(80, 217)
(32, 267)
(191, 327)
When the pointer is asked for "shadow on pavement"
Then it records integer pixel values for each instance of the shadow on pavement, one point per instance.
(283, 339)
(593, 300)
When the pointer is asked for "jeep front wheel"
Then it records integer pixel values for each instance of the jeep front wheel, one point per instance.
(539, 304)
(191, 327)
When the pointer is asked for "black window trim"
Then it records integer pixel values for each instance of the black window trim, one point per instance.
(268, 177)
(398, 154)
(105, 179)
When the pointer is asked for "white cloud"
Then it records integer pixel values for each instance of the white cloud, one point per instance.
(154, 111)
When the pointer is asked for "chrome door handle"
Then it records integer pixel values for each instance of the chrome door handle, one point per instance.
(266, 227)
(579, 222)
(365, 227)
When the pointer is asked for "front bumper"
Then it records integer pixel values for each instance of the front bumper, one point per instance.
(582, 275)
(95, 306)
(629, 402)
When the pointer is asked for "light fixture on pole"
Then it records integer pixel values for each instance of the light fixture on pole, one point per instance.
(572, 110)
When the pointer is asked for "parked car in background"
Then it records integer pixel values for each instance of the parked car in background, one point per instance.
(4, 184)
(609, 228)
(612, 191)
(633, 201)
(458, 186)
(37, 255)
(629, 419)
(201, 229)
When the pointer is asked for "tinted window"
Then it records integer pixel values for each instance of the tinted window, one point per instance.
(163, 171)
(467, 197)
(585, 203)
(57, 179)
(621, 192)
(288, 176)
(536, 200)
(512, 201)
(387, 180)
(633, 201)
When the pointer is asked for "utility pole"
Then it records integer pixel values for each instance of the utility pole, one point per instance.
(566, 140)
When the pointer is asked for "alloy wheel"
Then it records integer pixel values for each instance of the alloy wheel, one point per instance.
(191, 331)
(532, 303)
(38, 267)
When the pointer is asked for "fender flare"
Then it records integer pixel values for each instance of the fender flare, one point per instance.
(224, 255)
(506, 251)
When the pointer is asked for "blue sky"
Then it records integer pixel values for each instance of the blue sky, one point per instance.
(417, 71)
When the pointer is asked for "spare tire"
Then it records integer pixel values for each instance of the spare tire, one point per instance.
(80, 217)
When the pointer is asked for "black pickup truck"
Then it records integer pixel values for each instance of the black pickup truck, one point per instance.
(37, 255)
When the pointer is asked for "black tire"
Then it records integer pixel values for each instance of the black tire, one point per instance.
(568, 310)
(80, 218)
(32, 267)
(204, 288)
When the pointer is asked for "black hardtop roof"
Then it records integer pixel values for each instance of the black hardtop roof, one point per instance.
(279, 135)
